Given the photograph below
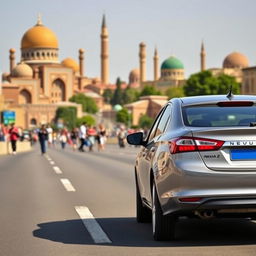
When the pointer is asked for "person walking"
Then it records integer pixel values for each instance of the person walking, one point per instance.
(63, 138)
(91, 133)
(14, 136)
(43, 138)
(101, 137)
(74, 137)
(82, 136)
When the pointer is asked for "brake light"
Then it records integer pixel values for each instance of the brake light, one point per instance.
(235, 104)
(189, 144)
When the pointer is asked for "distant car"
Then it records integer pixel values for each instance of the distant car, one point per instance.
(199, 159)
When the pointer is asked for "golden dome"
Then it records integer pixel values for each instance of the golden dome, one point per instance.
(22, 70)
(70, 63)
(39, 36)
(235, 60)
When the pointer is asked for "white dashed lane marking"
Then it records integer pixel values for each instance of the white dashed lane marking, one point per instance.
(67, 184)
(51, 162)
(57, 170)
(94, 229)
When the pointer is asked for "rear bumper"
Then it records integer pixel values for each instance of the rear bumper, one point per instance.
(218, 190)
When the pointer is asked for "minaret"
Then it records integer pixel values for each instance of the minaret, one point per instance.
(202, 56)
(142, 55)
(104, 53)
(156, 71)
(12, 59)
(81, 62)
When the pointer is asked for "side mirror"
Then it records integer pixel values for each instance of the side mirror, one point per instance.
(136, 138)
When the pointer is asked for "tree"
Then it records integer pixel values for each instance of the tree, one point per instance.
(108, 95)
(67, 115)
(89, 120)
(150, 90)
(175, 92)
(123, 116)
(145, 121)
(89, 105)
(117, 97)
(204, 83)
(130, 95)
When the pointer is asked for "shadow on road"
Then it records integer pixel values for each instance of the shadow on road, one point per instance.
(127, 232)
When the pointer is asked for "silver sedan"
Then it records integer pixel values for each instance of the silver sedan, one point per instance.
(198, 160)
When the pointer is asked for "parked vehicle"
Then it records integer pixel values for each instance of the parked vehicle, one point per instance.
(198, 160)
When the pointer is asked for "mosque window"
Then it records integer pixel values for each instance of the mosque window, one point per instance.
(43, 54)
(27, 54)
(38, 54)
(33, 55)
(48, 54)
(52, 54)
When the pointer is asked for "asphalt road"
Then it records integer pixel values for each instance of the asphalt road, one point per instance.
(71, 203)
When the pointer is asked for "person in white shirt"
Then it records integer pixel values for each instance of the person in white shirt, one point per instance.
(82, 136)
(50, 131)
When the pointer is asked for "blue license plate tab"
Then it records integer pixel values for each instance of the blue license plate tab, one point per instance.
(243, 154)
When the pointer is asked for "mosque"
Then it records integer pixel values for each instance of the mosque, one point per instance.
(40, 83)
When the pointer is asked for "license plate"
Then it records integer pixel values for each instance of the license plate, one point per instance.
(243, 154)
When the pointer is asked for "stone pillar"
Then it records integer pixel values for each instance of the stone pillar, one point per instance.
(202, 57)
(12, 59)
(81, 62)
(142, 56)
(104, 53)
(156, 70)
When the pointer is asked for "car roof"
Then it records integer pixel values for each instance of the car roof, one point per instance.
(208, 99)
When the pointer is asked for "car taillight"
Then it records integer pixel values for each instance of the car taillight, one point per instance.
(188, 144)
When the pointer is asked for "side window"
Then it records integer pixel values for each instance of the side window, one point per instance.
(164, 120)
(153, 129)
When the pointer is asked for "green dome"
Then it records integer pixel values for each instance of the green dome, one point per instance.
(172, 63)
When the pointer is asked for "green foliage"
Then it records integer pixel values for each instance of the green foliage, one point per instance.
(89, 120)
(67, 115)
(150, 90)
(88, 103)
(176, 92)
(108, 95)
(145, 121)
(123, 116)
(130, 95)
(117, 97)
(204, 83)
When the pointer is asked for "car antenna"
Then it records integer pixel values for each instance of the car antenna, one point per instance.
(230, 95)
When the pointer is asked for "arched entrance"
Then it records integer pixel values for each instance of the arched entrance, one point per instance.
(58, 91)
(25, 97)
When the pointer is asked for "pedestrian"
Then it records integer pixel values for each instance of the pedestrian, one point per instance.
(82, 136)
(43, 138)
(101, 137)
(14, 136)
(121, 137)
(74, 135)
(50, 137)
(91, 133)
(63, 138)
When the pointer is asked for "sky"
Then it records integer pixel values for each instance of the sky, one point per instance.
(176, 28)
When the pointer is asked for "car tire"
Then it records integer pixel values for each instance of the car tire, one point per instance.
(143, 214)
(163, 226)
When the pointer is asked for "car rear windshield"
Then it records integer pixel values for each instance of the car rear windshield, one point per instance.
(218, 116)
